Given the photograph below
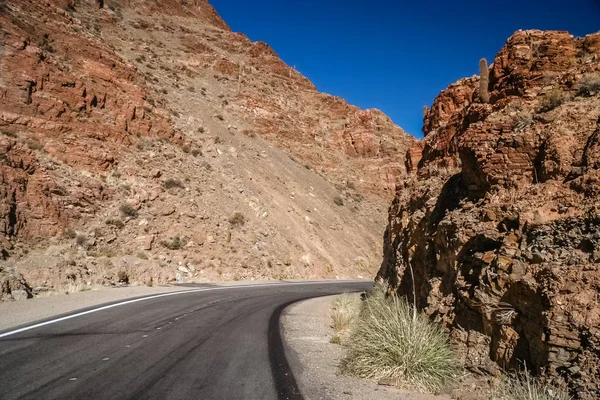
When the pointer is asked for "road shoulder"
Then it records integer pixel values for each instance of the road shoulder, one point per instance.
(307, 333)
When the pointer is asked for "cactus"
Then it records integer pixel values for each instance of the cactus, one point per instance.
(484, 81)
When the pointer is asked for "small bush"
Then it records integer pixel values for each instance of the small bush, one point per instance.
(551, 100)
(338, 201)
(521, 121)
(9, 134)
(218, 140)
(115, 222)
(80, 240)
(522, 386)
(343, 312)
(70, 233)
(141, 255)
(128, 210)
(589, 85)
(390, 342)
(237, 219)
(150, 282)
(123, 277)
(176, 243)
(34, 144)
(196, 152)
(174, 183)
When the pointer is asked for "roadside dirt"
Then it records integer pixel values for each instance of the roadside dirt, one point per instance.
(307, 331)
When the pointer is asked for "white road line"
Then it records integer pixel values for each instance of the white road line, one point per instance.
(54, 321)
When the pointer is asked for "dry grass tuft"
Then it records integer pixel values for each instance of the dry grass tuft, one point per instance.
(344, 312)
(391, 343)
(523, 386)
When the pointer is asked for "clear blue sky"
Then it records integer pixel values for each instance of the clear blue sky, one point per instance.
(397, 55)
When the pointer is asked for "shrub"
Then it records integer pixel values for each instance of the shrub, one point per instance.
(173, 183)
(80, 240)
(9, 134)
(589, 85)
(551, 100)
(141, 255)
(521, 121)
(128, 211)
(196, 152)
(343, 312)
(390, 342)
(70, 233)
(237, 219)
(176, 243)
(338, 201)
(123, 277)
(522, 386)
(115, 222)
(34, 144)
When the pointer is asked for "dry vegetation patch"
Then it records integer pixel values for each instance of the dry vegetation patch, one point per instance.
(391, 343)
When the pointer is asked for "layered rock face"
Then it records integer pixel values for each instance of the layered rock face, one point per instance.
(499, 226)
(132, 132)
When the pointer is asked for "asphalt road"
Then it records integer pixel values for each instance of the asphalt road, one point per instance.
(217, 343)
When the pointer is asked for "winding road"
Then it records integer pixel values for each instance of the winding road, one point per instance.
(221, 342)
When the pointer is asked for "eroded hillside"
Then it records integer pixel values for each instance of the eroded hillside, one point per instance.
(500, 221)
(144, 141)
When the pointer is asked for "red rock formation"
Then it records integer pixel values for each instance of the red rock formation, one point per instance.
(504, 241)
(95, 99)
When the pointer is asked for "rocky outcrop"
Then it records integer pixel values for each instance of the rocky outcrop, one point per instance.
(500, 223)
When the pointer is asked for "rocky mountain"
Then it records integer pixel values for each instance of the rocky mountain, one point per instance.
(144, 141)
(498, 225)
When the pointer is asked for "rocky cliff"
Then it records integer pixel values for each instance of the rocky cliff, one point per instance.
(499, 223)
(144, 141)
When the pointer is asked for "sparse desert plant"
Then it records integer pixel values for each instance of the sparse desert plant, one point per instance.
(141, 255)
(522, 386)
(391, 343)
(70, 233)
(338, 200)
(115, 222)
(335, 339)
(237, 219)
(551, 100)
(196, 152)
(128, 211)
(176, 243)
(522, 121)
(218, 140)
(344, 311)
(34, 144)
(9, 134)
(589, 85)
(174, 183)
(123, 277)
(80, 240)
(150, 282)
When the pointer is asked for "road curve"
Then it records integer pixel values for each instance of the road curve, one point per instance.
(209, 343)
